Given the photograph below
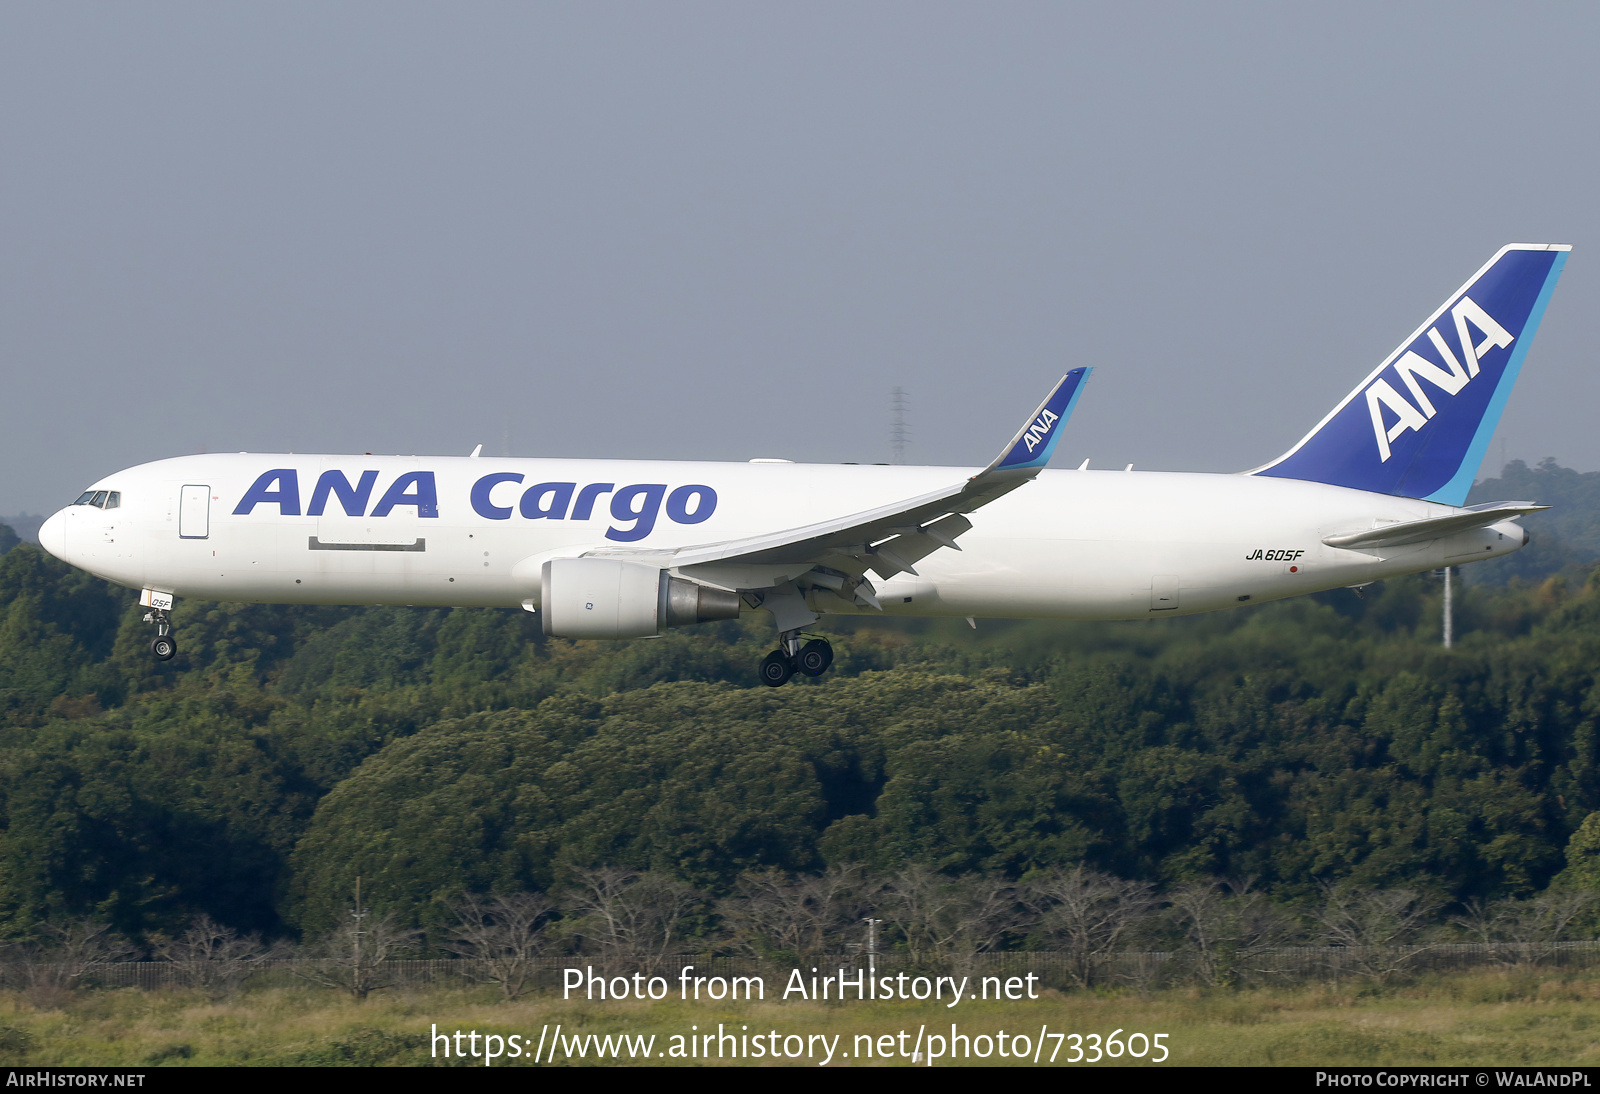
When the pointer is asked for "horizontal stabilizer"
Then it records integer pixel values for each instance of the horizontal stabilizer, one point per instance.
(1418, 531)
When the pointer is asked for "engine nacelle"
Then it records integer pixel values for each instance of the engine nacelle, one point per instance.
(609, 598)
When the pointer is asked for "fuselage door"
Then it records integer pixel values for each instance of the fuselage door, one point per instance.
(194, 513)
(1163, 592)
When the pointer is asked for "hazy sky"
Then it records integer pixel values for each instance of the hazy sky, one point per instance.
(718, 231)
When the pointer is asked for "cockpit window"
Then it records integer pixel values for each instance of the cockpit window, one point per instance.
(85, 498)
(99, 499)
(113, 499)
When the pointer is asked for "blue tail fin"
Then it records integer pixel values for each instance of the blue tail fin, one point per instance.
(1419, 425)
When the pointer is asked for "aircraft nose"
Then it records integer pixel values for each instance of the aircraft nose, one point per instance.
(53, 535)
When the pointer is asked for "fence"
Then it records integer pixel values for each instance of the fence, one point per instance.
(1050, 969)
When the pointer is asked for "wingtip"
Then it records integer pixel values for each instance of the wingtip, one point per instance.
(1032, 445)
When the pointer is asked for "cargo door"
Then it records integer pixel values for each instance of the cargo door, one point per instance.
(194, 512)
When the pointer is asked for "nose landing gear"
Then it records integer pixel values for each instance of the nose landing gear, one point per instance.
(163, 647)
(810, 659)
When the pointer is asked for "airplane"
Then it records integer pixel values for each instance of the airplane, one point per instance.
(613, 549)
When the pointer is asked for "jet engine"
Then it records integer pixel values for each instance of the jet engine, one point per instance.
(609, 598)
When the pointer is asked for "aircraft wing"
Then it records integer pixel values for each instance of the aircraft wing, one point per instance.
(1418, 531)
(891, 538)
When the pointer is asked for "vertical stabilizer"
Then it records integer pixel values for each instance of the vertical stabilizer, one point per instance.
(1418, 426)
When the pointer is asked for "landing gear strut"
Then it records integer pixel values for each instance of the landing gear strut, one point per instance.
(810, 659)
(163, 647)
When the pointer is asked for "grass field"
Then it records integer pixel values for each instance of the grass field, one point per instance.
(1512, 1017)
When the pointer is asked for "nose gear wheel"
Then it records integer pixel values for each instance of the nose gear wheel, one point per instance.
(163, 647)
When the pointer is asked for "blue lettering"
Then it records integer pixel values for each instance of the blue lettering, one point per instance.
(560, 495)
(353, 498)
(639, 506)
(642, 515)
(286, 496)
(678, 504)
(425, 497)
(585, 507)
(480, 495)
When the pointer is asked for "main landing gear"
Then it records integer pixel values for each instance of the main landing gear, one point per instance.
(163, 647)
(809, 659)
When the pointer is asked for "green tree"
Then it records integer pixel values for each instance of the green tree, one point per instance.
(1583, 856)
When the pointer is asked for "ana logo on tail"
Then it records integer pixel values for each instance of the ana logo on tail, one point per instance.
(1035, 434)
(1450, 379)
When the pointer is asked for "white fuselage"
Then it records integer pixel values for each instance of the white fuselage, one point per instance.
(1071, 544)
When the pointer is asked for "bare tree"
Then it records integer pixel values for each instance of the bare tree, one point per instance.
(1086, 914)
(212, 958)
(1529, 930)
(947, 920)
(355, 957)
(1537, 925)
(1229, 933)
(641, 915)
(1381, 931)
(63, 957)
(802, 917)
(502, 936)
(1479, 919)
